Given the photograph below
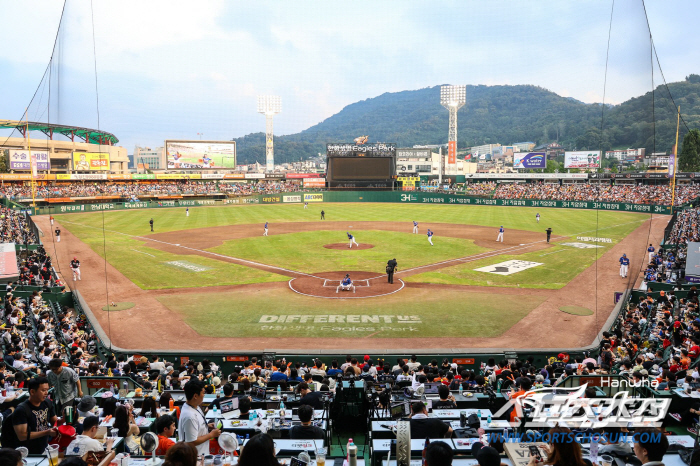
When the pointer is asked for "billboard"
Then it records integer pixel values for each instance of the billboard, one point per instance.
(582, 159)
(529, 160)
(90, 161)
(451, 152)
(200, 154)
(19, 160)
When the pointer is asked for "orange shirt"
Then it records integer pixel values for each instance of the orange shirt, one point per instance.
(164, 443)
(515, 395)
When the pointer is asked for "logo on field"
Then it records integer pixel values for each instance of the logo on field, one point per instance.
(189, 266)
(582, 245)
(594, 239)
(508, 267)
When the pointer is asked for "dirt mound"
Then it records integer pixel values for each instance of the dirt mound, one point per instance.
(325, 285)
(342, 246)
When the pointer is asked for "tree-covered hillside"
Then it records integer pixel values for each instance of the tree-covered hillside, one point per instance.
(493, 114)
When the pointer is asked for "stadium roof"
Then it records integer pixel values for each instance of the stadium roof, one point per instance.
(91, 136)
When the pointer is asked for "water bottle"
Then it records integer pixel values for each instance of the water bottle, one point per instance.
(125, 385)
(279, 392)
(478, 413)
(352, 455)
(594, 449)
(304, 456)
(216, 411)
(488, 419)
(347, 449)
(282, 411)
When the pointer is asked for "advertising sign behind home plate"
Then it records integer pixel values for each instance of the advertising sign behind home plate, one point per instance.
(508, 267)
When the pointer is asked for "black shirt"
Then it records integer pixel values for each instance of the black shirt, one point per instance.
(392, 264)
(313, 399)
(446, 404)
(306, 432)
(428, 428)
(38, 421)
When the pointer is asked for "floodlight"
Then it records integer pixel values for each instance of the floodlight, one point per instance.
(453, 98)
(269, 105)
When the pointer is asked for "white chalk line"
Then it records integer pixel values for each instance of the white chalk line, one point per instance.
(143, 252)
(345, 297)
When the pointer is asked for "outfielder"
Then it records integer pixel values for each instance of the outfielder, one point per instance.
(75, 267)
(430, 237)
(500, 234)
(265, 232)
(415, 227)
(624, 265)
(651, 250)
(538, 217)
(151, 223)
(306, 205)
(346, 284)
(187, 212)
(352, 241)
(58, 235)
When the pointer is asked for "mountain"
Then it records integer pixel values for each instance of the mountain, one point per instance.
(494, 114)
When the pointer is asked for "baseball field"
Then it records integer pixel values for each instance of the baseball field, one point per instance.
(210, 280)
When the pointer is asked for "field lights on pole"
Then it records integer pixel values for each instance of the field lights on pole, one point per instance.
(453, 98)
(269, 105)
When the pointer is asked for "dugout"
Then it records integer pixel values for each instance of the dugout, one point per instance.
(361, 166)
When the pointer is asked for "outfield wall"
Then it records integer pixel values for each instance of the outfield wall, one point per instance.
(356, 196)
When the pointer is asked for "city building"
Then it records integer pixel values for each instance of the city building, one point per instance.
(484, 149)
(146, 158)
(552, 150)
(624, 154)
(524, 146)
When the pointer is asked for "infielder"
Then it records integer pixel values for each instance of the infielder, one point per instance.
(151, 223)
(500, 234)
(265, 232)
(58, 235)
(624, 265)
(187, 212)
(415, 227)
(75, 267)
(430, 237)
(346, 284)
(352, 241)
(651, 250)
(538, 217)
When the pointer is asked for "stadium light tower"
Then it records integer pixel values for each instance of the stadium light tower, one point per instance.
(453, 98)
(269, 105)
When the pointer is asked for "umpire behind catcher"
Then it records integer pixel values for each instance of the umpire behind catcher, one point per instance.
(391, 267)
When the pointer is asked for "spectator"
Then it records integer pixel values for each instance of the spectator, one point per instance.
(423, 427)
(10, 457)
(306, 430)
(650, 446)
(86, 442)
(193, 427)
(561, 452)
(34, 419)
(181, 454)
(65, 382)
(165, 428)
(447, 400)
(440, 454)
(259, 451)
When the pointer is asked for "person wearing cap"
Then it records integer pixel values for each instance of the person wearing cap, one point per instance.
(485, 455)
(346, 284)
(86, 405)
(65, 382)
(75, 268)
(624, 265)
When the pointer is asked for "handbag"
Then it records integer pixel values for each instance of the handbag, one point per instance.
(93, 458)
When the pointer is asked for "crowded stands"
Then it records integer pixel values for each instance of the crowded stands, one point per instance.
(14, 228)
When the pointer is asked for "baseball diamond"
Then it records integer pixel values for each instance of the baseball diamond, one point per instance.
(241, 275)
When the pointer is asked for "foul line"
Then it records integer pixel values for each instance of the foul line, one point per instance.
(143, 252)
(259, 264)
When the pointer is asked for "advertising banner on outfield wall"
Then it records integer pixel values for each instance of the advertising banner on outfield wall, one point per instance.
(313, 197)
(582, 159)
(19, 160)
(295, 198)
(314, 182)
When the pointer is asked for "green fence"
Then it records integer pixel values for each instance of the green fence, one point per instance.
(402, 197)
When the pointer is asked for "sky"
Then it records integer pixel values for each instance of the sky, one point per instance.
(192, 70)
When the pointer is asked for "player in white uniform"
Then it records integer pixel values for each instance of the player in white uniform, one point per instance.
(187, 212)
(651, 250)
(352, 241)
(75, 267)
(415, 227)
(500, 234)
(265, 232)
(538, 217)
(430, 237)
(306, 205)
(624, 265)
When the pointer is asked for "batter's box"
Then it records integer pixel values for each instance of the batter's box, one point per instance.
(336, 283)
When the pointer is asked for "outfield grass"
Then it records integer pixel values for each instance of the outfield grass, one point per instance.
(560, 265)
(147, 267)
(450, 313)
(304, 251)
(562, 221)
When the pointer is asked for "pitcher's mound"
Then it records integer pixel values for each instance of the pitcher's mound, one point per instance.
(345, 246)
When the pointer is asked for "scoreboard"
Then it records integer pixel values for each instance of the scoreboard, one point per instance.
(361, 166)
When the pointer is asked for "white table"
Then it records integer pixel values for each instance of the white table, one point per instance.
(265, 413)
(296, 446)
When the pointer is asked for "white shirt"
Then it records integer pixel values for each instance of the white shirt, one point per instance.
(158, 366)
(83, 444)
(193, 425)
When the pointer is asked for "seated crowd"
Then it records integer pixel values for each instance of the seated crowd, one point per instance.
(133, 190)
(14, 228)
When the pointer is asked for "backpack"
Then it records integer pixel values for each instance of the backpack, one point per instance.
(9, 437)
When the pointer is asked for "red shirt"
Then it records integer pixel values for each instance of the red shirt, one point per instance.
(164, 443)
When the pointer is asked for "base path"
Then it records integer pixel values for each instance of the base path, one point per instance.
(343, 246)
(149, 325)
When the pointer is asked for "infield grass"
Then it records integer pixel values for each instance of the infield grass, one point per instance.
(450, 313)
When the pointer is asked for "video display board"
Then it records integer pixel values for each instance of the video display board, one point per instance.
(198, 155)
